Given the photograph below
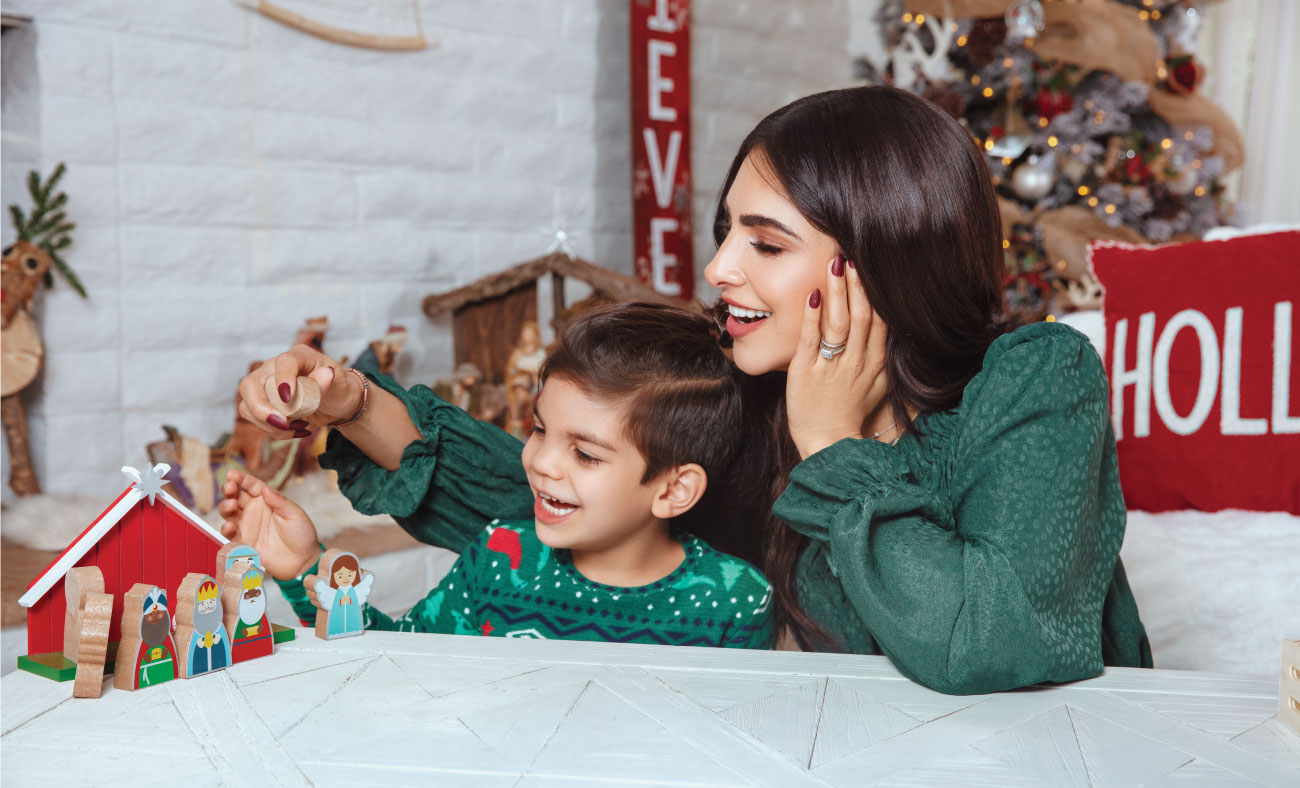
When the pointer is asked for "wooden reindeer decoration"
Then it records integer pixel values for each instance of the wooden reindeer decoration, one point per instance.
(26, 264)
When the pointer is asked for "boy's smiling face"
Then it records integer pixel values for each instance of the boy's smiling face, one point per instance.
(584, 472)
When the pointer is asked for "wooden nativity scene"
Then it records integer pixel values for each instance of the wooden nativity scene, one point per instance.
(108, 602)
(497, 338)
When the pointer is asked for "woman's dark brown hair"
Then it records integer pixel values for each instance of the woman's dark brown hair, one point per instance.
(905, 193)
(682, 395)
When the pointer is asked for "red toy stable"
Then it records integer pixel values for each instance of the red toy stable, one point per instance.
(145, 536)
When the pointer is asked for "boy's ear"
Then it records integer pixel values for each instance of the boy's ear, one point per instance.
(680, 488)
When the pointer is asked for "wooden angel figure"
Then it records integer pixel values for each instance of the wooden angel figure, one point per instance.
(26, 264)
(339, 595)
(146, 655)
(200, 626)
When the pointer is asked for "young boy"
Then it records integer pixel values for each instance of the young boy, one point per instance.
(636, 426)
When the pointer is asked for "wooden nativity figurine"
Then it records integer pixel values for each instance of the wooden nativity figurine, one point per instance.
(243, 602)
(85, 630)
(200, 626)
(146, 655)
(339, 594)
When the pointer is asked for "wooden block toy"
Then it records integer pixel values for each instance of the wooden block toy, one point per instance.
(1288, 702)
(201, 638)
(338, 593)
(146, 656)
(244, 607)
(303, 402)
(92, 655)
(235, 556)
(77, 583)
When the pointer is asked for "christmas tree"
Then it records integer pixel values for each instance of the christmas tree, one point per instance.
(1088, 113)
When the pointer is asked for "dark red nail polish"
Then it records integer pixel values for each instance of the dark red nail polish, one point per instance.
(275, 420)
(853, 265)
(284, 392)
(301, 433)
(815, 300)
(297, 424)
(837, 265)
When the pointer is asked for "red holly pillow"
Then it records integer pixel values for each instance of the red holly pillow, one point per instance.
(1201, 352)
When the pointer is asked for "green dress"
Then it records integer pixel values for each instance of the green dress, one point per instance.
(507, 583)
(980, 553)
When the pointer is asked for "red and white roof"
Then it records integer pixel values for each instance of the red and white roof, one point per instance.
(147, 485)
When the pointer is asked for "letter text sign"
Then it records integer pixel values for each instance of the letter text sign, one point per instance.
(661, 145)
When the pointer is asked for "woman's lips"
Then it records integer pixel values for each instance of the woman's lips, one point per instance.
(738, 329)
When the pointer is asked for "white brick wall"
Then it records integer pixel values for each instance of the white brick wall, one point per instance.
(230, 177)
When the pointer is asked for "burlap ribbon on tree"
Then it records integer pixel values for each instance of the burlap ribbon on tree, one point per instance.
(1108, 36)
(1188, 112)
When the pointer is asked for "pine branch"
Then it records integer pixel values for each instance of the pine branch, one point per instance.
(67, 273)
(34, 187)
(47, 224)
(59, 201)
(20, 222)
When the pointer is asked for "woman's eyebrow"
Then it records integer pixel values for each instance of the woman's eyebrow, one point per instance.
(758, 220)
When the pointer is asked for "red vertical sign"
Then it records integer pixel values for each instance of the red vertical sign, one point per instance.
(661, 145)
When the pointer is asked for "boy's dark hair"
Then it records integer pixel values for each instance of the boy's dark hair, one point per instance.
(682, 394)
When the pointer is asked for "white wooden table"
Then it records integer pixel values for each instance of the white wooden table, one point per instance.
(397, 709)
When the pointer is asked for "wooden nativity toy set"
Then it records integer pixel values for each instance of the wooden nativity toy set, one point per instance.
(109, 601)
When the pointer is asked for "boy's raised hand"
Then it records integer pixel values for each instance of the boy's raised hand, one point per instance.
(276, 527)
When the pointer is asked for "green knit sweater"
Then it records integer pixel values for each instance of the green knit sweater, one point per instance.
(508, 584)
(979, 553)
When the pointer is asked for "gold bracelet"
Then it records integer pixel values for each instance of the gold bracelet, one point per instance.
(365, 400)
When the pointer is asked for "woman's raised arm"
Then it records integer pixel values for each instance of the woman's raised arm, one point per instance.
(440, 473)
(1002, 579)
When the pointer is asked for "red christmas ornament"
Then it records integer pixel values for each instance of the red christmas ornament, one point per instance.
(1050, 103)
(1184, 75)
(1137, 170)
(506, 542)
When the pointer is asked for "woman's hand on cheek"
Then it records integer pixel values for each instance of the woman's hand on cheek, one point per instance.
(828, 400)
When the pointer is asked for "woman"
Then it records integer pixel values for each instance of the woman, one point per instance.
(932, 484)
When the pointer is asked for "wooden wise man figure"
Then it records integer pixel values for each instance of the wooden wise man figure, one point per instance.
(26, 264)
(339, 595)
(200, 626)
(244, 606)
(146, 655)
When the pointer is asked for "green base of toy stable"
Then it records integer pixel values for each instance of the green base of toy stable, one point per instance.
(56, 667)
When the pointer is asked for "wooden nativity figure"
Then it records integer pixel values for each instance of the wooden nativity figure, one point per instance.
(243, 602)
(146, 655)
(26, 264)
(200, 626)
(339, 594)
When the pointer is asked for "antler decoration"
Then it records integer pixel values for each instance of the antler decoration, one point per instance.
(912, 60)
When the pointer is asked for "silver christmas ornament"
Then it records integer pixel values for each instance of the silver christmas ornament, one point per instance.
(1024, 19)
(1033, 180)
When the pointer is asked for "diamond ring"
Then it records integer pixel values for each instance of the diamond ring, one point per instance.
(829, 351)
